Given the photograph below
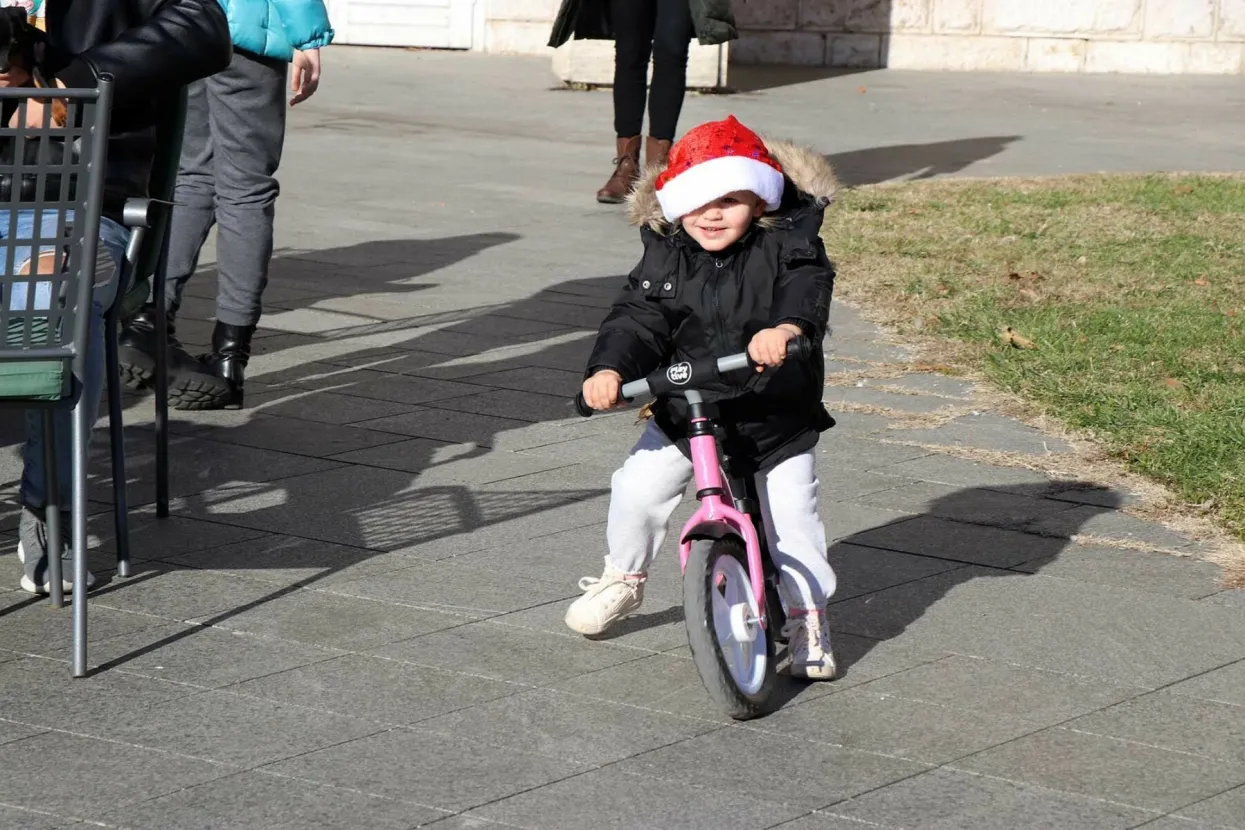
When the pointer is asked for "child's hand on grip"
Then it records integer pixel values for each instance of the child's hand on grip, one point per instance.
(769, 346)
(601, 391)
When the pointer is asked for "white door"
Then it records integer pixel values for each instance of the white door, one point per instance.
(434, 24)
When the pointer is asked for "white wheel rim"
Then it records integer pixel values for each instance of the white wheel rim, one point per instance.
(730, 587)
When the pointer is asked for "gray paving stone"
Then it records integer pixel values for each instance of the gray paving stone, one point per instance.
(385, 691)
(608, 799)
(821, 821)
(1177, 823)
(838, 485)
(1224, 810)
(12, 818)
(201, 656)
(465, 822)
(948, 469)
(971, 505)
(453, 586)
(419, 364)
(438, 463)
(1109, 524)
(507, 403)
(30, 626)
(857, 453)
(860, 720)
(321, 619)
(387, 387)
(1175, 722)
(204, 467)
(447, 426)
(382, 510)
(863, 570)
(1137, 570)
(456, 343)
(960, 542)
(10, 731)
(489, 649)
(1225, 684)
(836, 397)
(565, 727)
(300, 437)
(173, 593)
(415, 766)
(657, 626)
(291, 561)
(254, 799)
(1043, 698)
(930, 384)
(985, 432)
(944, 799)
(1124, 772)
(1096, 496)
(765, 767)
(1052, 624)
(845, 520)
(534, 379)
(322, 407)
(859, 425)
(60, 773)
(152, 538)
(232, 729)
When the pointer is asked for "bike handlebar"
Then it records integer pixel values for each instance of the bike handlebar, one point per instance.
(672, 380)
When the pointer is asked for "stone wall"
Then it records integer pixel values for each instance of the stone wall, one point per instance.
(1136, 36)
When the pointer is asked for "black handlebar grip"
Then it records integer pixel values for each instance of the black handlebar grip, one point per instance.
(581, 406)
(800, 347)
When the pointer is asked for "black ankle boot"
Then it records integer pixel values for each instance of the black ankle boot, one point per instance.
(231, 351)
(189, 379)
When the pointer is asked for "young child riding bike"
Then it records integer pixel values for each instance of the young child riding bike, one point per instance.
(732, 260)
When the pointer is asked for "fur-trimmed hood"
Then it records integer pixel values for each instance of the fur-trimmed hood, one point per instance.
(808, 175)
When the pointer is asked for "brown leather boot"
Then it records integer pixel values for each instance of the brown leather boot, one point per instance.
(656, 152)
(626, 171)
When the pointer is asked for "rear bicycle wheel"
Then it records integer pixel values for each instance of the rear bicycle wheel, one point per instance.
(733, 653)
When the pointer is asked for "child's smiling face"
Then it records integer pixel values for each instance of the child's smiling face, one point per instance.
(721, 223)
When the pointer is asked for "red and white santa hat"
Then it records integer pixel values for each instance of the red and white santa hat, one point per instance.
(715, 159)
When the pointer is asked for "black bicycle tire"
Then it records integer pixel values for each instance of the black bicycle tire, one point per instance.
(703, 639)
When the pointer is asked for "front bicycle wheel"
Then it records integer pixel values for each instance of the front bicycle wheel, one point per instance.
(733, 653)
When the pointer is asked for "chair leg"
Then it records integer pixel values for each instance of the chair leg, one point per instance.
(82, 425)
(52, 511)
(162, 385)
(116, 434)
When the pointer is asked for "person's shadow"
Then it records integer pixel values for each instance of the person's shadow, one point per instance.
(915, 161)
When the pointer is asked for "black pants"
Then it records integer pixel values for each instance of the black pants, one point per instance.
(661, 29)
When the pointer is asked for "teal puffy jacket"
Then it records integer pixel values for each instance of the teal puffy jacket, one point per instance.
(275, 28)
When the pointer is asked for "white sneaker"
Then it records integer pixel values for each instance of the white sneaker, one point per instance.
(808, 643)
(605, 601)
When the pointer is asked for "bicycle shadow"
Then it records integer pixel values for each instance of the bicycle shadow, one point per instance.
(891, 575)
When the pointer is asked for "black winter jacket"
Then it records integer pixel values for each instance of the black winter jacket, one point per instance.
(684, 303)
(151, 49)
(712, 21)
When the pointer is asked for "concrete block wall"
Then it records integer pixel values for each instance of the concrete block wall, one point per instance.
(1133, 36)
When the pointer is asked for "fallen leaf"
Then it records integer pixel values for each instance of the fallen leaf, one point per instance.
(1082, 260)
(1014, 276)
(1201, 281)
(1231, 312)
(1117, 347)
(862, 90)
(1029, 294)
(1034, 275)
(1173, 383)
(1014, 338)
(940, 368)
(1082, 339)
(645, 412)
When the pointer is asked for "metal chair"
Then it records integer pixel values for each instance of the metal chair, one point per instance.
(57, 174)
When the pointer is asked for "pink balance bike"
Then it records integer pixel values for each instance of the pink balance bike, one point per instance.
(731, 604)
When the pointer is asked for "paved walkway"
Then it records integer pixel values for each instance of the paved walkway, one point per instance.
(354, 618)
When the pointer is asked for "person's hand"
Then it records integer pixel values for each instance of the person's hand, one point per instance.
(769, 346)
(15, 77)
(304, 75)
(601, 391)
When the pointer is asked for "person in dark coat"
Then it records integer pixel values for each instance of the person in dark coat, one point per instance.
(640, 29)
(733, 261)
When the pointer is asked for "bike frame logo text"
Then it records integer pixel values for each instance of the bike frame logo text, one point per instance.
(679, 373)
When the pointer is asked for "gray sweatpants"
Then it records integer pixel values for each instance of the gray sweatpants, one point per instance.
(235, 130)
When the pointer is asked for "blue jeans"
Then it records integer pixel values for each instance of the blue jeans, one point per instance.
(113, 238)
